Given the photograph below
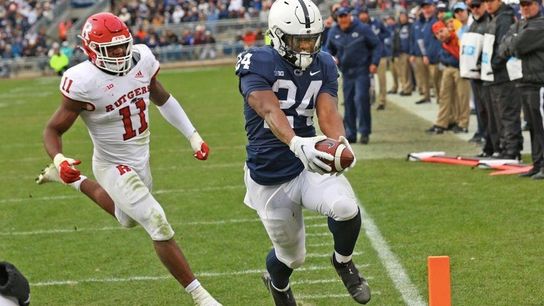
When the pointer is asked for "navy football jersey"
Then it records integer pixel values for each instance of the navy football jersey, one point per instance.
(269, 160)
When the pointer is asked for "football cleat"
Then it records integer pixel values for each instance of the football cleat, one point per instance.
(354, 282)
(281, 298)
(48, 174)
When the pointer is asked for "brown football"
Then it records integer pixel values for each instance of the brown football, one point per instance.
(342, 155)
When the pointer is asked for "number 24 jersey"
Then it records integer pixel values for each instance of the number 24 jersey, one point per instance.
(269, 160)
(116, 112)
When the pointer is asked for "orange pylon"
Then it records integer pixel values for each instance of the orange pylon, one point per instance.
(439, 280)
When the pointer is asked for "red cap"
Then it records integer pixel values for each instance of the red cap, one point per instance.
(437, 26)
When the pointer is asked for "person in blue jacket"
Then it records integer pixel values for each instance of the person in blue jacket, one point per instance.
(424, 50)
(357, 51)
(383, 34)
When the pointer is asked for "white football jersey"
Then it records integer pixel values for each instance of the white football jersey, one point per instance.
(117, 107)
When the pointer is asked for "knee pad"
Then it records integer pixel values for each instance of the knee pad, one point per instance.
(124, 219)
(344, 209)
(296, 262)
(154, 220)
(287, 237)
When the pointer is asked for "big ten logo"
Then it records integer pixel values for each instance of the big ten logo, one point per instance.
(468, 50)
(485, 58)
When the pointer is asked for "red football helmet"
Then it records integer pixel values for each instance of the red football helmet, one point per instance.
(100, 33)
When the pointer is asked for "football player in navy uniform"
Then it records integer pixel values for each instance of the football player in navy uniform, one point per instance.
(283, 85)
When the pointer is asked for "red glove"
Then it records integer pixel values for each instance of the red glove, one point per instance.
(200, 148)
(65, 166)
(203, 153)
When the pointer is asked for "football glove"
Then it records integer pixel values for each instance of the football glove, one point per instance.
(304, 149)
(14, 284)
(65, 166)
(345, 142)
(200, 148)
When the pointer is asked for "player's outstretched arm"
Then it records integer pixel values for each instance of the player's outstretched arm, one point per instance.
(266, 104)
(63, 118)
(172, 111)
(330, 121)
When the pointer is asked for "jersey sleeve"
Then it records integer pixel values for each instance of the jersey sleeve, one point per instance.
(255, 69)
(330, 79)
(73, 85)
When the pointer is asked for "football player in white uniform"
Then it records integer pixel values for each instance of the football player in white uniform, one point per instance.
(111, 93)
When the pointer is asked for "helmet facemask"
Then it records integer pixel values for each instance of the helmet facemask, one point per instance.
(106, 61)
(300, 49)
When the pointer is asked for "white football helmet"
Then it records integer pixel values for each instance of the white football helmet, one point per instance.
(295, 28)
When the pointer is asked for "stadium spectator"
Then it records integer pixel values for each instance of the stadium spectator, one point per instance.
(121, 156)
(58, 61)
(390, 25)
(283, 168)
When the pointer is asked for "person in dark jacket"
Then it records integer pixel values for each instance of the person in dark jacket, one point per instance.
(482, 101)
(357, 52)
(526, 42)
(383, 34)
(401, 53)
(424, 50)
(504, 96)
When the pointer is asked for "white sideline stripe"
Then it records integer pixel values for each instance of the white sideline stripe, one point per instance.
(160, 191)
(328, 244)
(394, 268)
(118, 228)
(159, 278)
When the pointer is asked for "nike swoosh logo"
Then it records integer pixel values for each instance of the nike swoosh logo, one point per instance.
(314, 73)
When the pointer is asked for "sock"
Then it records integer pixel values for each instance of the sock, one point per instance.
(77, 183)
(193, 286)
(341, 258)
(345, 234)
(279, 272)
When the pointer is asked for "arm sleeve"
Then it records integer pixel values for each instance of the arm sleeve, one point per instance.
(374, 45)
(529, 40)
(176, 116)
(503, 26)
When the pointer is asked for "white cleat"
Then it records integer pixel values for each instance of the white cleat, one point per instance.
(48, 174)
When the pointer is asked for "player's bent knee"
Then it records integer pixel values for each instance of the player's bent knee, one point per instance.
(344, 209)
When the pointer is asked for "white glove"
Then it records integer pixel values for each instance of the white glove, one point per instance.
(304, 149)
(66, 167)
(345, 142)
(200, 148)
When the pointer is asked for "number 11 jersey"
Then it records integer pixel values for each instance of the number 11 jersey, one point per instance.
(116, 111)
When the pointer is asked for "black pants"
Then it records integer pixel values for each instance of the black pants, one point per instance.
(506, 104)
(531, 99)
(487, 118)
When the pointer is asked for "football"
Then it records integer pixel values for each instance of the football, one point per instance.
(342, 155)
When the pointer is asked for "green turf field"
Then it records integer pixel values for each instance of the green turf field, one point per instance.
(75, 254)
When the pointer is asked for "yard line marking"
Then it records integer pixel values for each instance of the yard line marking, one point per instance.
(327, 244)
(118, 228)
(160, 191)
(396, 271)
(161, 277)
(317, 225)
(328, 254)
(317, 234)
(328, 296)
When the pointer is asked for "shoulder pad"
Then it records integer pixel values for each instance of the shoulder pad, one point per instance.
(74, 80)
(147, 58)
(256, 60)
